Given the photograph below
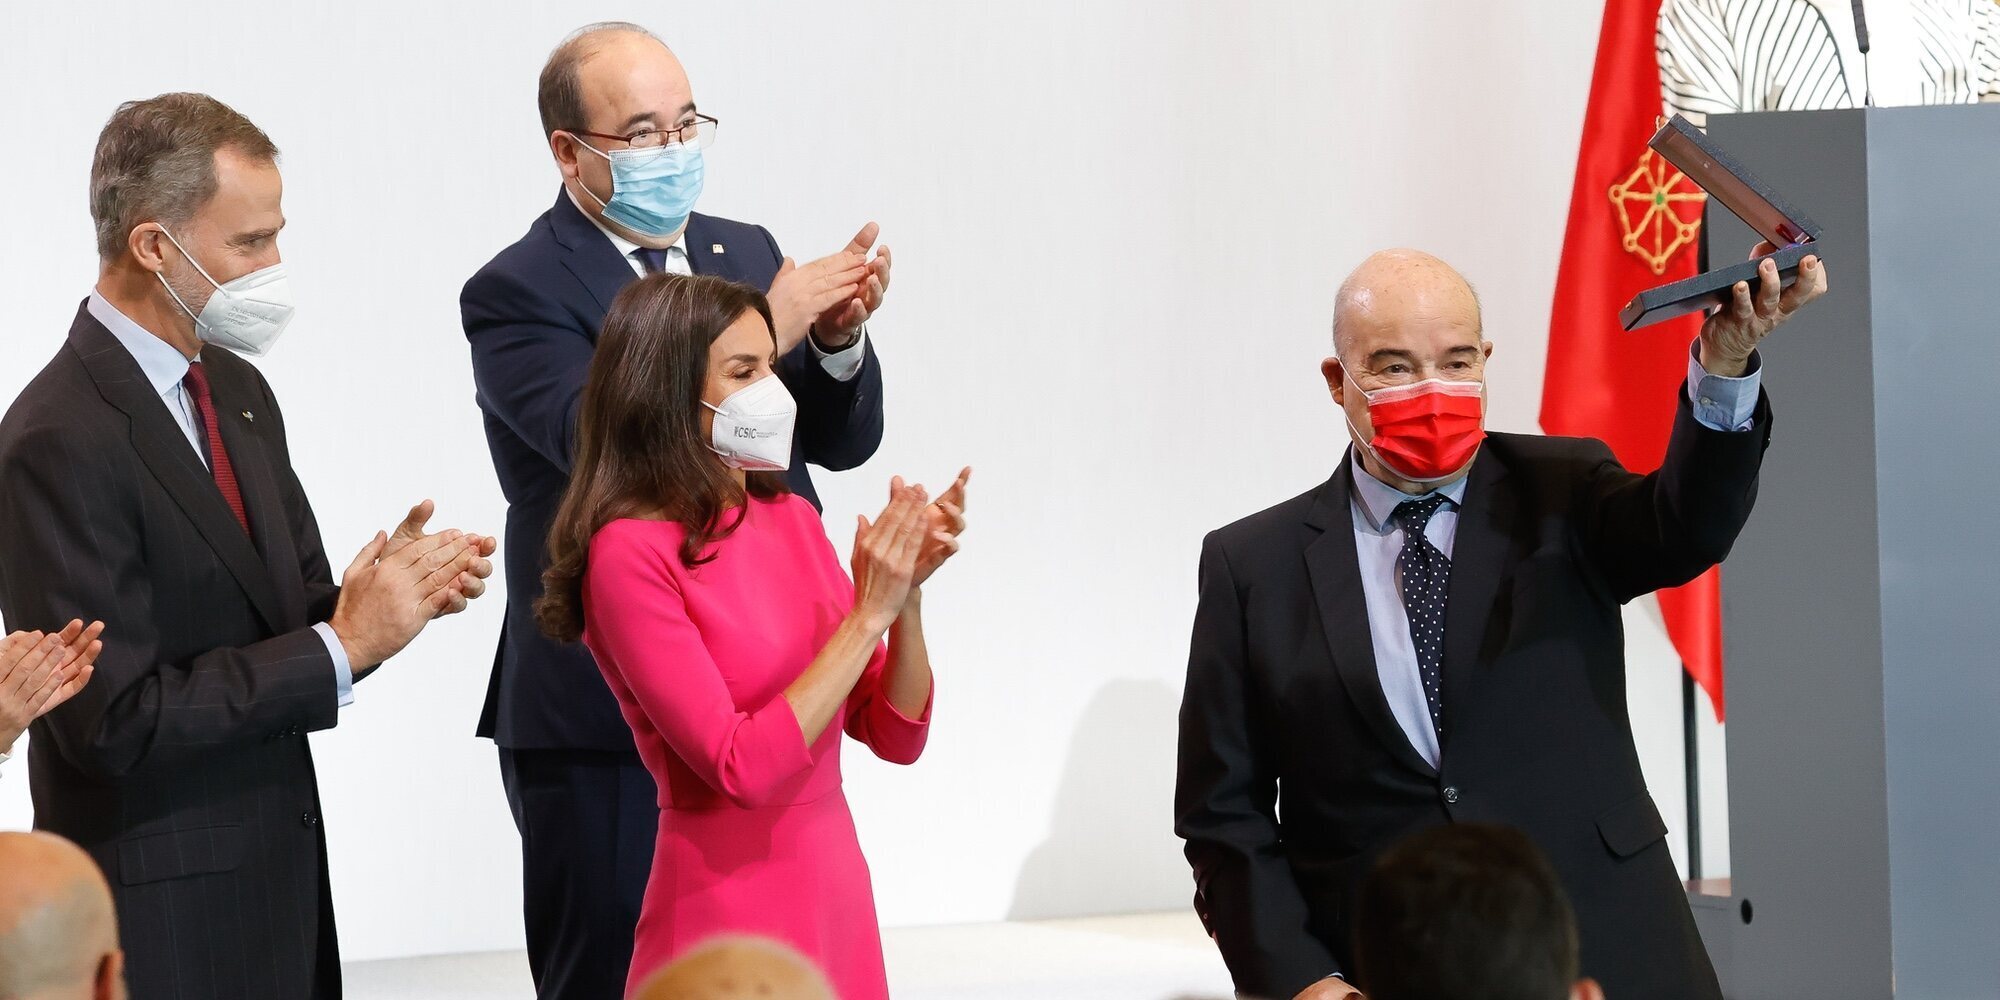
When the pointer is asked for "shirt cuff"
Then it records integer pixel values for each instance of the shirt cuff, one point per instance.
(343, 672)
(1720, 402)
(845, 363)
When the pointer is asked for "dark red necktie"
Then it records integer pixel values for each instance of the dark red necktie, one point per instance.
(218, 456)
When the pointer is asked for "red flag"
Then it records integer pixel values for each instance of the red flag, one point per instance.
(1633, 222)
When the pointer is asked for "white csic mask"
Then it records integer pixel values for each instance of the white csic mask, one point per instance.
(753, 427)
(246, 315)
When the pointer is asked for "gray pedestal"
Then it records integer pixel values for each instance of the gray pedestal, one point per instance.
(1861, 607)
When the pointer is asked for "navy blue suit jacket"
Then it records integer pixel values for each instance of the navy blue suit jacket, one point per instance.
(532, 315)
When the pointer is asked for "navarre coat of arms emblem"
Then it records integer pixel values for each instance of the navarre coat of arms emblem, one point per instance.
(1658, 210)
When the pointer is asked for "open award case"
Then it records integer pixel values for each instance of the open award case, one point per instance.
(1726, 181)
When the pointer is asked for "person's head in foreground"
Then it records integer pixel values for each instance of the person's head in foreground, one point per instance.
(683, 416)
(58, 933)
(737, 968)
(1466, 912)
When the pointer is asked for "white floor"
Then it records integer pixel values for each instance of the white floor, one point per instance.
(1148, 957)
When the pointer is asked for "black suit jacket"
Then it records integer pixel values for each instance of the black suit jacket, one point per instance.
(1294, 776)
(532, 315)
(182, 767)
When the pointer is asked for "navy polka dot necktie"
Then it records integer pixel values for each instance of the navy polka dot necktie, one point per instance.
(1425, 572)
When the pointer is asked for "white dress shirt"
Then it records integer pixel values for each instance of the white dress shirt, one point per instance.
(166, 368)
(843, 364)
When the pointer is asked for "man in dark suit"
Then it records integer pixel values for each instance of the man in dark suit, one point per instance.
(1433, 636)
(619, 116)
(145, 479)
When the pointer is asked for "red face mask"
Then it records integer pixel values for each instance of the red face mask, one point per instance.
(1428, 430)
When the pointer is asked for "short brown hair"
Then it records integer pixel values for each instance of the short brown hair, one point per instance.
(1466, 912)
(156, 161)
(560, 95)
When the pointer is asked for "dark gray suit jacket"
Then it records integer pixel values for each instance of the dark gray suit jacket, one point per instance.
(182, 767)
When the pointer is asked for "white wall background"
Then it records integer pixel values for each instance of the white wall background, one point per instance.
(1118, 229)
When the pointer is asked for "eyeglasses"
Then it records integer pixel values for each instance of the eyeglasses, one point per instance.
(698, 132)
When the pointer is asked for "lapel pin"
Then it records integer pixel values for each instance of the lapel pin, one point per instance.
(247, 415)
(716, 248)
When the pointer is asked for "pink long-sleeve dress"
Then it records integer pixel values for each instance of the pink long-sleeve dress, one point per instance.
(755, 835)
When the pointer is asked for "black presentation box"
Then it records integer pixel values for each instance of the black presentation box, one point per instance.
(1726, 181)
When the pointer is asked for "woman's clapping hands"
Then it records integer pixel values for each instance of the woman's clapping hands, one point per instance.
(944, 521)
(903, 546)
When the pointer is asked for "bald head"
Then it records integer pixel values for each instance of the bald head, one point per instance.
(611, 69)
(1401, 287)
(737, 969)
(57, 927)
(1402, 317)
(606, 82)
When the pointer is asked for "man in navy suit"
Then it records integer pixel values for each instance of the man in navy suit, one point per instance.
(620, 119)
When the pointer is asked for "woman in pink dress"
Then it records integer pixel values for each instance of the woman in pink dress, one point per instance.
(737, 647)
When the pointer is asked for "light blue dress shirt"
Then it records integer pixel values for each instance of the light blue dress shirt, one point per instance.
(1720, 403)
(165, 368)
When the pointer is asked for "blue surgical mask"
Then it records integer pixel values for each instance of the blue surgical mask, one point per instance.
(652, 190)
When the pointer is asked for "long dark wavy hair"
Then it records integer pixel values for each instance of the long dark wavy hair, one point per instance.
(639, 441)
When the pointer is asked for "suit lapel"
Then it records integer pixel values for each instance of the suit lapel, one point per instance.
(235, 412)
(588, 254)
(1335, 571)
(165, 451)
(1482, 556)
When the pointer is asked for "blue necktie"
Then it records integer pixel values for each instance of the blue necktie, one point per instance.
(1425, 572)
(654, 261)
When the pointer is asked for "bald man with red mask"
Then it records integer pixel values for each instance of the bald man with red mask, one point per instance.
(1433, 636)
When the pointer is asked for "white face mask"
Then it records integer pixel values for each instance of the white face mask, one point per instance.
(753, 427)
(246, 315)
